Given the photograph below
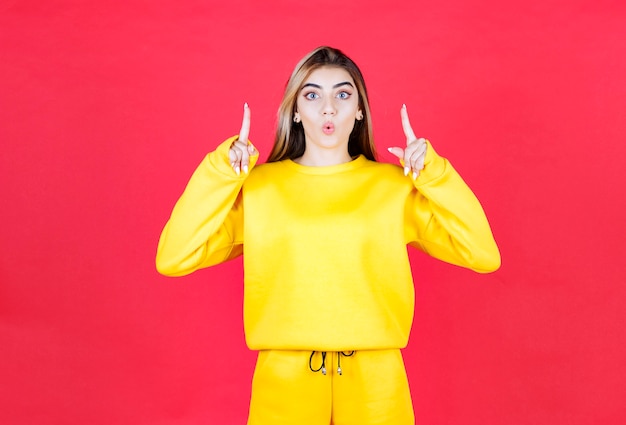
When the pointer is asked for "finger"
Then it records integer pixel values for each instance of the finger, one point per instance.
(406, 125)
(239, 154)
(416, 149)
(245, 124)
(235, 155)
(409, 159)
(232, 157)
(397, 152)
(417, 157)
(251, 149)
(418, 169)
(245, 159)
(417, 161)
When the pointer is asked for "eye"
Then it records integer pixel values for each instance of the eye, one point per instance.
(311, 96)
(343, 95)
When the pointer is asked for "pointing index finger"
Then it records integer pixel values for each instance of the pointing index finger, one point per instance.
(406, 125)
(245, 124)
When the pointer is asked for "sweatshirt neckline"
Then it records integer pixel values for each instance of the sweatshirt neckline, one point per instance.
(327, 169)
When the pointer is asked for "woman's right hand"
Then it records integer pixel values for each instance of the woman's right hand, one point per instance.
(241, 149)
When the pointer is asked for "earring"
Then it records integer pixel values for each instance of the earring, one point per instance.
(296, 118)
(359, 115)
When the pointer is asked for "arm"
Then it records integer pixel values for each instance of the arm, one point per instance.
(442, 216)
(206, 225)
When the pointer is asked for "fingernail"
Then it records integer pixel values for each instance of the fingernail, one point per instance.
(245, 169)
(414, 175)
(404, 106)
(389, 149)
(245, 105)
(237, 170)
(406, 171)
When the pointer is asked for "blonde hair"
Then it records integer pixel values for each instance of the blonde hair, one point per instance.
(289, 142)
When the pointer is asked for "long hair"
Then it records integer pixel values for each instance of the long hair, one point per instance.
(289, 142)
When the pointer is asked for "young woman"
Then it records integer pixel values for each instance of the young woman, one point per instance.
(328, 298)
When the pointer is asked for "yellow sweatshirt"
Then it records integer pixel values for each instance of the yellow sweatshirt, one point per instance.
(326, 265)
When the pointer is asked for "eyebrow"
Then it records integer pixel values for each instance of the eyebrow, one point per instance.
(317, 86)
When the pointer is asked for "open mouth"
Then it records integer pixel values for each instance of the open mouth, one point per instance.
(328, 128)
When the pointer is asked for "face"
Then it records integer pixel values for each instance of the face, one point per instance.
(328, 105)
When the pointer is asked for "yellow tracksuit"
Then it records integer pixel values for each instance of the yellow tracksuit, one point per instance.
(326, 266)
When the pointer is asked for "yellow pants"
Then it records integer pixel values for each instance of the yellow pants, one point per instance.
(371, 390)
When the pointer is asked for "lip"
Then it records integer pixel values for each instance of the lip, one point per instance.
(328, 128)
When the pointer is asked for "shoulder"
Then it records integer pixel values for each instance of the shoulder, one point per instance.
(268, 168)
(265, 172)
(384, 167)
(385, 170)
(382, 177)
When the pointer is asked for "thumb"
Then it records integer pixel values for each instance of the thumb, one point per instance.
(398, 152)
(251, 149)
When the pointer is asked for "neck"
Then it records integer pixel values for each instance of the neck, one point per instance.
(322, 158)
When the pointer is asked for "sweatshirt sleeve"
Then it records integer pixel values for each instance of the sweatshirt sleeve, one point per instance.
(206, 224)
(445, 219)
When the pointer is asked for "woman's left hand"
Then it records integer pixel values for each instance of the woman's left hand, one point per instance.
(412, 157)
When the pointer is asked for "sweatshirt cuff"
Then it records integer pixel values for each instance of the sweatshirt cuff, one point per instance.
(434, 166)
(221, 162)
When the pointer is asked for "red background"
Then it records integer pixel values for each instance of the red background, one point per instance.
(107, 107)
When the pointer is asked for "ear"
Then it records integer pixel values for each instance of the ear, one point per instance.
(296, 117)
(359, 115)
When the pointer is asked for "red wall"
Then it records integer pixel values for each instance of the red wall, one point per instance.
(106, 108)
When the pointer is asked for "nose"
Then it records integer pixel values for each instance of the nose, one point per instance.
(328, 107)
